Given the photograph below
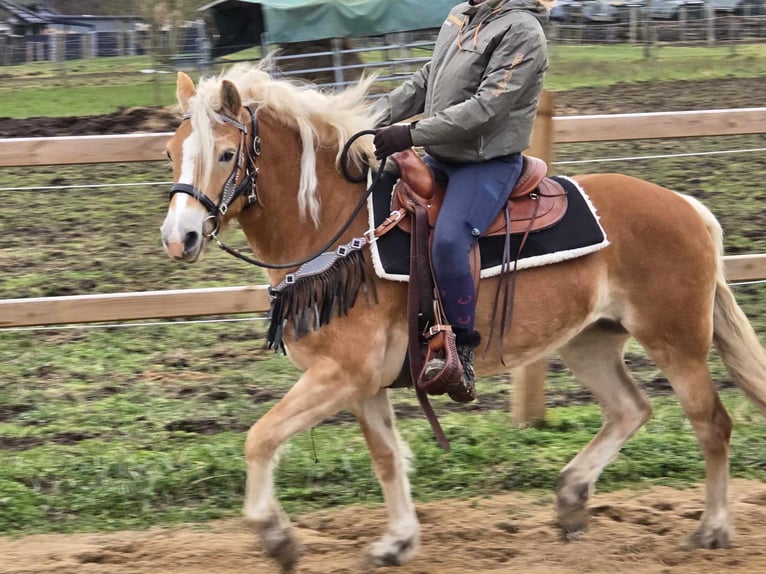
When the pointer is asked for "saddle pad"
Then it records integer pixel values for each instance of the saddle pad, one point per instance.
(577, 234)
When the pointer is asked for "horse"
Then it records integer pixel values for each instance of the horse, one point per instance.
(266, 152)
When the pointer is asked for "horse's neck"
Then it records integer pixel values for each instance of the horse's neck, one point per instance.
(277, 232)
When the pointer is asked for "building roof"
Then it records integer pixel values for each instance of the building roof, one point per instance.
(86, 7)
(21, 15)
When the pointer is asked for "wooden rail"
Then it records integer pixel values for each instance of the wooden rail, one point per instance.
(18, 152)
(68, 150)
(611, 127)
(37, 311)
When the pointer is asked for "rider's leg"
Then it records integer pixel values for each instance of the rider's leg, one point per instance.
(475, 195)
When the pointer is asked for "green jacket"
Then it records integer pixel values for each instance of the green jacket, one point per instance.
(479, 92)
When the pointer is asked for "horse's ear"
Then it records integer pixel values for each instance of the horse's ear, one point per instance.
(231, 101)
(184, 90)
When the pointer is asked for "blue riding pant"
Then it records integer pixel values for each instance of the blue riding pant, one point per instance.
(476, 192)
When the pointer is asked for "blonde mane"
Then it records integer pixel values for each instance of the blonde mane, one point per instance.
(321, 119)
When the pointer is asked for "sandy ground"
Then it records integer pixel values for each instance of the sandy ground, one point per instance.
(636, 531)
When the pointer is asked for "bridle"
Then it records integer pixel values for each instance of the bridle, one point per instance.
(231, 189)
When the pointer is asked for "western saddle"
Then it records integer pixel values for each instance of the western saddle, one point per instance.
(536, 201)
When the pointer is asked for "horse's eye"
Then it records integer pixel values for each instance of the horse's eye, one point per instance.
(226, 156)
(167, 153)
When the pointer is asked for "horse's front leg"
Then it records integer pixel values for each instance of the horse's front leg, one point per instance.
(323, 390)
(390, 456)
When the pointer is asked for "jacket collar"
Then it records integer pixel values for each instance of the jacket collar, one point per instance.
(488, 6)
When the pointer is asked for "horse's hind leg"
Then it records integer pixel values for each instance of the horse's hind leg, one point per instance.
(690, 378)
(322, 391)
(389, 456)
(595, 357)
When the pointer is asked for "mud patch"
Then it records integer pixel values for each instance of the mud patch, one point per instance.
(127, 120)
(27, 442)
(203, 426)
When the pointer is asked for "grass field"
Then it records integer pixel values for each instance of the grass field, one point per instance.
(108, 84)
(116, 427)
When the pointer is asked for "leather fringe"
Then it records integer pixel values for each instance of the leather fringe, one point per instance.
(312, 301)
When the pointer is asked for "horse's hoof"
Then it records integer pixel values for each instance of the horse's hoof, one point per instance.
(709, 538)
(280, 545)
(571, 535)
(287, 554)
(572, 506)
(390, 551)
(572, 521)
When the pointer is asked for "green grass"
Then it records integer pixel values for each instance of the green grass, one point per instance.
(44, 70)
(599, 66)
(145, 474)
(83, 87)
(83, 100)
(104, 85)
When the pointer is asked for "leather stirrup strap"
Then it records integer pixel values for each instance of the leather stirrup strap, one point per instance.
(504, 270)
(508, 281)
(419, 294)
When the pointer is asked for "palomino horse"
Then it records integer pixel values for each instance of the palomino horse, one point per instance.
(660, 281)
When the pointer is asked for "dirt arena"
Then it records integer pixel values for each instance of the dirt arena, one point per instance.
(631, 531)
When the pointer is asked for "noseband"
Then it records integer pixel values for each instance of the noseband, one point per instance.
(231, 190)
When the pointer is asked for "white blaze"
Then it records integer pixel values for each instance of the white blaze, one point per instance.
(180, 220)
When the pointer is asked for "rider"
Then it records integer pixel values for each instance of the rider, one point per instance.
(478, 95)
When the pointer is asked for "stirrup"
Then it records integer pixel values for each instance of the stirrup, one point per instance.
(442, 364)
(443, 372)
(459, 389)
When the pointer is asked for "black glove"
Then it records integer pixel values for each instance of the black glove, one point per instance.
(392, 139)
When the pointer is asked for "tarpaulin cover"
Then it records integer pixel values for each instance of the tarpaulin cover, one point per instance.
(287, 21)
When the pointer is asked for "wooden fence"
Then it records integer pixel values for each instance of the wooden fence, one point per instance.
(528, 394)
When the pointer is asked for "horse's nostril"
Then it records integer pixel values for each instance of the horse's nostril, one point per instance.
(190, 241)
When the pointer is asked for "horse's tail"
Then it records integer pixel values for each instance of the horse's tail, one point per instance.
(734, 338)
(738, 345)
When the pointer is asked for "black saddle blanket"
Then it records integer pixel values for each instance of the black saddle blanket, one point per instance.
(577, 234)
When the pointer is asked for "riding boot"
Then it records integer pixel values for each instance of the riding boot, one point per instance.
(466, 341)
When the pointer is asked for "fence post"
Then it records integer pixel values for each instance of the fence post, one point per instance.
(528, 396)
(633, 25)
(337, 63)
(542, 133)
(710, 19)
(648, 30)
